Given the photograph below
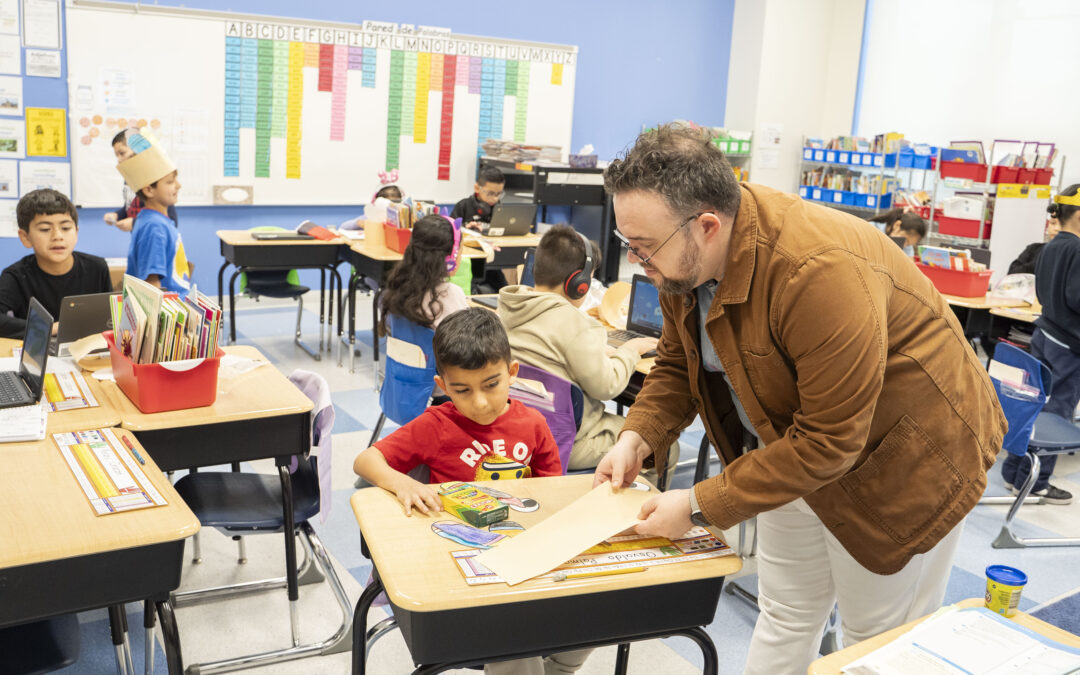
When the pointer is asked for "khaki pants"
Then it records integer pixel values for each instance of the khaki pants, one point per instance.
(588, 452)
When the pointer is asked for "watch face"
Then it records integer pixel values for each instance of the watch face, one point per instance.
(698, 518)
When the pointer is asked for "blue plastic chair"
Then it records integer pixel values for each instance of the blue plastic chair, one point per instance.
(406, 389)
(1032, 433)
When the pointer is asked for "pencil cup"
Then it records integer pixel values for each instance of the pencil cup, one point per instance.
(1003, 587)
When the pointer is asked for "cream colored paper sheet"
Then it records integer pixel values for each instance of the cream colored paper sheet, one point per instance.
(586, 522)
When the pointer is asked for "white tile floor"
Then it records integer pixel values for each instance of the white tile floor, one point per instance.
(257, 623)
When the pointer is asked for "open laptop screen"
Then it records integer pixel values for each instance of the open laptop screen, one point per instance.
(645, 316)
(527, 270)
(35, 348)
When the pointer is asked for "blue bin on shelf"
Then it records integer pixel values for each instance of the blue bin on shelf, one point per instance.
(804, 191)
(851, 198)
(867, 158)
(808, 154)
(815, 193)
(819, 155)
(830, 156)
(826, 195)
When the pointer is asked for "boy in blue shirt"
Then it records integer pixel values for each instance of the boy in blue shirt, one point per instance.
(156, 252)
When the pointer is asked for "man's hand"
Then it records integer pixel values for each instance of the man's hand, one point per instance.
(622, 463)
(665, 515)
(414, 494)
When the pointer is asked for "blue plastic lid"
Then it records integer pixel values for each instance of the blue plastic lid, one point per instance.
(1004, 574)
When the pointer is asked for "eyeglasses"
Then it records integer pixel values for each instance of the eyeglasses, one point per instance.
(492, 195)
(644, 260)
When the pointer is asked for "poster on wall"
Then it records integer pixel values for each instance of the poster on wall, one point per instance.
(8, 225)
(10, 55)
(40, 175)
(46, 132)
(43, 62)
(9, 17)
(41, 23)
(9, 179)
(12, 139)
(11, 96)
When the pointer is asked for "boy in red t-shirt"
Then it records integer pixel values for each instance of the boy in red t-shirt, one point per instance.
(475, 369)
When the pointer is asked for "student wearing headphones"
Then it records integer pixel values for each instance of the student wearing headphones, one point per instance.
(547, 330)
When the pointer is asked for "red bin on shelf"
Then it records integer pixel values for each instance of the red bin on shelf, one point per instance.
(968, 170)
(1004, 174)
(397, 238)
(171, 385)
(961, 227)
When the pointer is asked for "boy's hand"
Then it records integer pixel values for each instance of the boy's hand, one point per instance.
(125, 225)
(55, 327)
(414, 494)
(641, 345)
(110, 218)
(474, 225)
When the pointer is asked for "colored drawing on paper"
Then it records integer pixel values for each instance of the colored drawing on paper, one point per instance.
(507, 527)
(466, 535)
(526, 505)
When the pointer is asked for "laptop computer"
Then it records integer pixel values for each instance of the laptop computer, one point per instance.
(510, 220)
(82, 315)
(23, 387)
(279, 236)
(644, 319)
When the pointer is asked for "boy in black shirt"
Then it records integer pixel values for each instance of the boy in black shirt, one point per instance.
(487, 191)
(48, 224)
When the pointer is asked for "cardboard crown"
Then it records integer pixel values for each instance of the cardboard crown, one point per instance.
(150, 163)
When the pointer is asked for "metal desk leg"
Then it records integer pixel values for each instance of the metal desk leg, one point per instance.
(710, 662)
(622, 658)
(220, 280)
(352, 322)
(148, 642)
(359, 636)
(118, 629)
(375, 325)
(232, 305)
(290, 551)
(322, 305)
(171, 637)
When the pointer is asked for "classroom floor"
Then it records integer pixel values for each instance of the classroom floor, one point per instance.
(260, 622)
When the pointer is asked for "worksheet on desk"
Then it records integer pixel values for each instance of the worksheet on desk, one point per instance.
(972, 641)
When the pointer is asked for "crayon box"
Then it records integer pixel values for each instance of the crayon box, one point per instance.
(466, 502)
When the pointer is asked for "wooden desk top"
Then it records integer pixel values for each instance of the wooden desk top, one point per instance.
(835, 662)
(522, 241)
(104, 415)
(244, 238)
(381, 252)
(419, 574)
(263, 392)
(1027, 313)
(47, 516)
(981, 302)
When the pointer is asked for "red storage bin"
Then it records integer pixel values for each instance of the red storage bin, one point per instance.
(958, 282)
(173, 385)
(969, 170)
(961, 227)
(1044, 176)
(1026, 176)
(1004, 174)
(397, 238)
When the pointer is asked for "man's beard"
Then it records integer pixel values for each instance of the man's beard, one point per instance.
(690, 265)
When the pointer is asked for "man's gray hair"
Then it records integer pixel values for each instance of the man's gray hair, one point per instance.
(682, 165)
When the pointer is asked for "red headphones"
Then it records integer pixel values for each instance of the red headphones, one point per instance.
(577, 284)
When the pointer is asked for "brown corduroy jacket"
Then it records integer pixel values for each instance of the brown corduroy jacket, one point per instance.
(869, 402)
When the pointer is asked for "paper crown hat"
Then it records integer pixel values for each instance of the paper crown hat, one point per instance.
(1071, 200)
(149, 164)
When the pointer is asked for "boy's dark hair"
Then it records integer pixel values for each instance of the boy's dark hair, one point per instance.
(560, 253)
(391, 192)
(44, 202)
(913, 222)
(121, 137)
(682, 165)
(490, 174)
(421, 270)
(139, 192)
(470, 339)
(1064, 211)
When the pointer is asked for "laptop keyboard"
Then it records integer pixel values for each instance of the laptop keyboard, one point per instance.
(622, 335)
(11, 388)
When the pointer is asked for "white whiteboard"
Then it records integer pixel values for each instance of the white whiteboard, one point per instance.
(167, 69)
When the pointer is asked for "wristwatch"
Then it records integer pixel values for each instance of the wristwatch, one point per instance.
(696, 516)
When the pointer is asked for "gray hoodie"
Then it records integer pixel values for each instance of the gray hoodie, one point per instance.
(548, 332)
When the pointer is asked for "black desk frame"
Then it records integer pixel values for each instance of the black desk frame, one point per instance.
(472, 636)
(255, 257)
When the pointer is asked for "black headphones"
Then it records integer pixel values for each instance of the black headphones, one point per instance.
(577, 284)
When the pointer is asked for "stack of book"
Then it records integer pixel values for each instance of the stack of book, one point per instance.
(154, 326)
(406, 214)
(532, 393)
(949, 258)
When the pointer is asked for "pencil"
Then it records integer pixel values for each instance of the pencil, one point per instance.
(131, 447)
(564, 576)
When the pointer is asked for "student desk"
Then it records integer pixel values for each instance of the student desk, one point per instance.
(510, 251)
(448, 624)
(371, 264)
(102, 416)
(1027, 314)
(59, 557)
(835, 662)
(246, 253)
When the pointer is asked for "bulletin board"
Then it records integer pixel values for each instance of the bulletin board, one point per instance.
(303, 112)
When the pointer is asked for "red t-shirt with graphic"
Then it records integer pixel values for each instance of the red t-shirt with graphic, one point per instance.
(453, 446)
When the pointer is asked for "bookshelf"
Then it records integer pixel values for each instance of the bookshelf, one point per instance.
(856, 181)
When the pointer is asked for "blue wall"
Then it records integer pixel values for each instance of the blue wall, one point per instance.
(639, 63)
